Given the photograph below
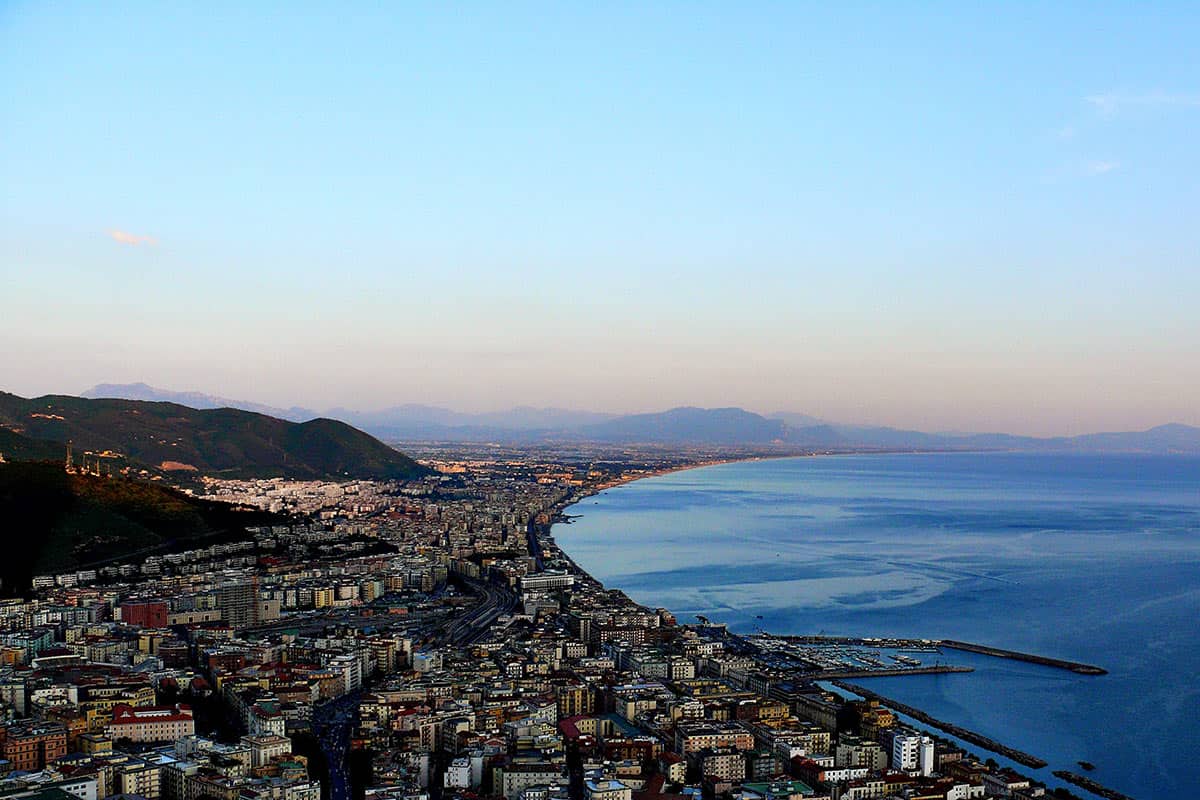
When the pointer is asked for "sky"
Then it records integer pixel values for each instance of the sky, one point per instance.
(933, 215)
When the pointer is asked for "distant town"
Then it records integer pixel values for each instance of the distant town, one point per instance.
(427, 639)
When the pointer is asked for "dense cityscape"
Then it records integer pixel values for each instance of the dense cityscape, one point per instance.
(427, 639)
(599, 401)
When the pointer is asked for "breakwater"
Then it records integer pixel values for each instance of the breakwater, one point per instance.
(1072, 666)
(940, 669)
(1089, 784)
(965, 734)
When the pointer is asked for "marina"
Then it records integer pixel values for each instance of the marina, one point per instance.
(824, 654)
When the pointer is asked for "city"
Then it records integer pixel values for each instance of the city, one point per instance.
(428, 639)
(647, 400)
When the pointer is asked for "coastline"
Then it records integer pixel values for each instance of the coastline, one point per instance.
(986, 743)
(558, 516)
(966, 735)
(714, 462)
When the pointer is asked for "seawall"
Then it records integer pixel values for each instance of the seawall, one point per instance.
(1019, 756)
(1072, 666)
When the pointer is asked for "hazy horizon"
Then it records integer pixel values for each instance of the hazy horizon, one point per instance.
(285, 406)
(935, 219)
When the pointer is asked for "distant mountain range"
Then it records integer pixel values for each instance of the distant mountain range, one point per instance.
(1164, 439)
(399, 422)
(728, 426)
(719, 426)
(430, 422)
(141, 391)
(736, 426)
(172, 437)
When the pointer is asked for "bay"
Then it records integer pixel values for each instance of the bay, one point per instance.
(1083, 557)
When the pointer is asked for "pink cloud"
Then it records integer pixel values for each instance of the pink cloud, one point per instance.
(134, 239)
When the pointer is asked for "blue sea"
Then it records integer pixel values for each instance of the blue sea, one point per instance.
(1089, 558)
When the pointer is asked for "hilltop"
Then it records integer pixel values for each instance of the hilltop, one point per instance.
(223, 442)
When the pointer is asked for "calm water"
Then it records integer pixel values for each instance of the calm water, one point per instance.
(1089, 558)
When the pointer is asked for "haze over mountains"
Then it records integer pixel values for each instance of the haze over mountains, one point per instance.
(722, 426)
(411, 420)
(199, 400)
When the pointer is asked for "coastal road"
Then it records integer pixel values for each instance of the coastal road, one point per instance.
(535, 544)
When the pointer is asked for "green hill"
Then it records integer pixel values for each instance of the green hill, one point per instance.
(15, 447)
(220, 442)
(55, 522)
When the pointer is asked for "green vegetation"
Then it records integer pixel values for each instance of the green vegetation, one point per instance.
(222, 442)
(15, 447)
(54, 521)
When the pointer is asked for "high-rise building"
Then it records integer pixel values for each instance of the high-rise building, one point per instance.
(238, 602)
(912, 752)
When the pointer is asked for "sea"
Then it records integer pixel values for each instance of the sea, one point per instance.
(1091, 558)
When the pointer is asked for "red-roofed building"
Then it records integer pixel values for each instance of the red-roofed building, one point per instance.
(151, 724)
(32, 747)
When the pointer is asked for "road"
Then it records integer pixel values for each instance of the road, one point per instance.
(333, 723)
(535, 544)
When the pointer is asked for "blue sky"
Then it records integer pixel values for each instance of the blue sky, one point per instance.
(914, 214)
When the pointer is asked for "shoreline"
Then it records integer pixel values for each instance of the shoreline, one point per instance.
(715, 462)
(559, 516)
(965, 734)
(837, 679)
